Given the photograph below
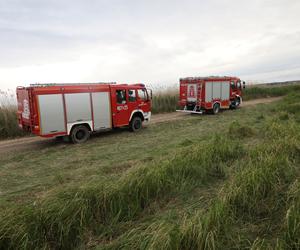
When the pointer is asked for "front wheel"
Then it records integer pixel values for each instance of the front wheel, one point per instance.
(236, 103)
(80, 134)
(135, 124)
(216, 108)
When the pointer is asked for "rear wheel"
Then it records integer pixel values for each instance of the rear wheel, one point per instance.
(216, 108)
(80, 134)
(136, 124)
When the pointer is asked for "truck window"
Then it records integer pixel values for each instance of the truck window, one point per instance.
(142, 94)
(131, 95)
(232, 85)
(121, 96)
(239, 86)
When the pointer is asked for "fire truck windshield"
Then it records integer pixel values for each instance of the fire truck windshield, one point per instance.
(149, 92)
(142, 94)
(232, 85)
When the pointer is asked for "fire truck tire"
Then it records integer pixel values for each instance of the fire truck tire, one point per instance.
(237, 102)
(216, 108)
(80, 134)
(135, 124)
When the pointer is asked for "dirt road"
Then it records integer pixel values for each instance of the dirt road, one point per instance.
(38, 142)
(177, 115)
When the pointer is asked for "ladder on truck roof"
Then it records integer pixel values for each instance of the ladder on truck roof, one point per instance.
(64, 84)
(206, 78)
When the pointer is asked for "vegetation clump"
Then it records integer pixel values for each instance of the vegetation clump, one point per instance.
(211, 191)
(236, 130)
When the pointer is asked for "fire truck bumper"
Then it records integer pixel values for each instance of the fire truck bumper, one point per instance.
(190, 111)
(147, 117)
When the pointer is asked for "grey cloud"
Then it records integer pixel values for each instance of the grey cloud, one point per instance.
(160, 39)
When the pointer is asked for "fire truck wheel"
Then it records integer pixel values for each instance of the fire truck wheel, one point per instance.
(80, 134)
(216, 108)
(237, 102)
(135, 124)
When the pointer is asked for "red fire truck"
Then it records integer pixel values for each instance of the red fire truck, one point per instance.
(76, 110)
(210, 94)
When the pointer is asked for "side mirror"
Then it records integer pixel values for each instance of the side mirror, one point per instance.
(149, 92)
(244, 85)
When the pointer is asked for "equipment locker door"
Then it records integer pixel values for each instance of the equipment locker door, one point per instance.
(120, 107)
(51, 112)
(192, 92)
(101, 110)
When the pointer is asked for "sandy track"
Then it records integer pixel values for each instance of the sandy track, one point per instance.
(177, 115)
(39, 142)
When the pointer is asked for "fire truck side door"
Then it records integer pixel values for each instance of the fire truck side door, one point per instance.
(143, 100)
(120, 107)
(132, 100)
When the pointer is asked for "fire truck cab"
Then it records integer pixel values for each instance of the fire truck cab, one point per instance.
(77, 110)
(210, 94)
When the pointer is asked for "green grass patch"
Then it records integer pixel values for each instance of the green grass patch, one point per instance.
(165, 102)
(9, 124)
(269, 91)
(257, 191)
(204, 182)
(64, 216)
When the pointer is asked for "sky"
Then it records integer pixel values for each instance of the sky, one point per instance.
(154, 42)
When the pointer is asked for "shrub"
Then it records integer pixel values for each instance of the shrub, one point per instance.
(165, 102)
(263, 92)
(9, 123)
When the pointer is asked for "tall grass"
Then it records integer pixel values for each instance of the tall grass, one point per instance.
(261, 186)
(9, 124)
(60, 221)
(257, 192)
(264, 92)
(165, 102)
(8, 116)
(292, 219)
(197, 231)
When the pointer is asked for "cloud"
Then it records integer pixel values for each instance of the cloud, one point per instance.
(147, 41)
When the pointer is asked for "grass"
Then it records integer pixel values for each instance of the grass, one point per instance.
(269, 91)
(165, 102)
(8, 123)
(257, 191)
(204, 182)
(8, 116)
(292, 218)
(67, 213)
